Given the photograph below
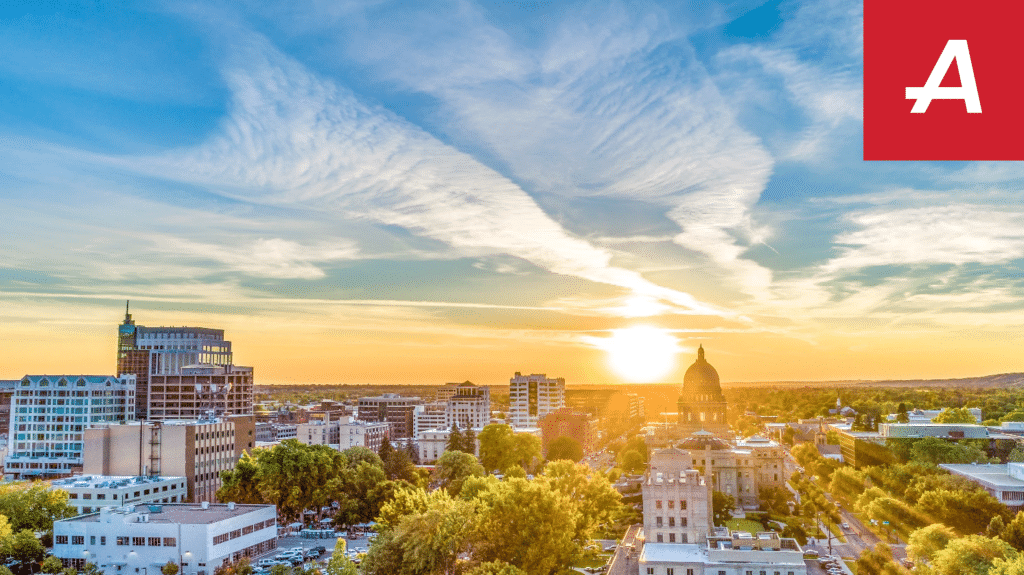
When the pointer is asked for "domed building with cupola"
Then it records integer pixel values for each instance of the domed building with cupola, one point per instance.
(737, 467)
(691, 458)
(701, 405)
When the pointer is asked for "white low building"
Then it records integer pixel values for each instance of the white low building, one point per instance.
(1004, 481)
(88, 493)
(736, 553)
(143, 538)
(434, 442)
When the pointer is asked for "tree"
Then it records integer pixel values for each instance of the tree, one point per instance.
(385, 449)
(955, 415)
(398, 466)
(632, 462)
(32, 505)
(936, 451)
(452, 469)
(995, 528)
(339, 564)
(593, 497)
(901, 414)
(1014, 566)
(51, 565)
(564, 447)
(291, 475)
(526, 523)
(455, 440)
(1014, 531)
(924, 543)
(496, 568)
(971, 555)
(788, 435)
(722, 505)
(832, 437)
(23, 546)
(774, 499)
(280, 570)
(469, 441)
(528, 449)
(1016, 456)
(170, 568)
(496, 448)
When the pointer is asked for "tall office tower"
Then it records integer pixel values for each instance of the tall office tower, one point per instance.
(469, 407)
(531, 397)
(49, 416)
(182, 372)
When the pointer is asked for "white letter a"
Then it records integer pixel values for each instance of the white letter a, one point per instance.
(967, 91)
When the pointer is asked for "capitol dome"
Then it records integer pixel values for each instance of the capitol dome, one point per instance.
(701, 380)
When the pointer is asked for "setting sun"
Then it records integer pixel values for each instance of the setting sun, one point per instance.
(640, 353)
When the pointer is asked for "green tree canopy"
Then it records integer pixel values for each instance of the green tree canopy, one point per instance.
(971, 555)
(455, 439)
(32, 505)
(954, 415)
(564, 447)
(452, 469)
(722, 505)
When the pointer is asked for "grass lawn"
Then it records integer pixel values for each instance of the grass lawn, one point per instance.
(744, 525)
(852, 565)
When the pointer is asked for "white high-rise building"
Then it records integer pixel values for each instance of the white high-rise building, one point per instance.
(469, 407)
(49, 416)
(533, 396)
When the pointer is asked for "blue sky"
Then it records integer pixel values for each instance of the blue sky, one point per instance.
(477, 188)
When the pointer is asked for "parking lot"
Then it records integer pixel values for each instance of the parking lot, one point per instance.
(292, 541)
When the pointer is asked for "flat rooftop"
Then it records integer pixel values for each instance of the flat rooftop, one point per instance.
(180, 513)
(996, 475)
(673, 553)
(110, 481)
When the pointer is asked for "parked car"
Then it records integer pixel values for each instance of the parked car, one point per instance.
(266, 562)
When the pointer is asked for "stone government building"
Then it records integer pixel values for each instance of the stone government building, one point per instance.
(738, 467)
(691, 458)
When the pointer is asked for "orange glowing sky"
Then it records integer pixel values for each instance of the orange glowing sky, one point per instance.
(416, 194)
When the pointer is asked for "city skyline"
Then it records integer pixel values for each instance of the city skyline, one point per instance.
(371, 192)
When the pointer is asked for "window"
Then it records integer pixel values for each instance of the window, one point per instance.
(657, 521)
(140, 541)
(671, 521)
(78, 539)
(121, 540)
(670, 571)
(682, 504)
(657, 504)
(170, 542)
(671, 537)
(154, 541)
(661, 538)
(60, 539)
(671, 504)
(103, 539)
(650, 571)
(92, 540)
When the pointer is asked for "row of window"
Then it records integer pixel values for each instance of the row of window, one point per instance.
(689, 571)
(120, 540)
(218, 539)
(671, 522)
(671, 504)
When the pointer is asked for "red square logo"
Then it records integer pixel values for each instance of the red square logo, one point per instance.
(943, 80)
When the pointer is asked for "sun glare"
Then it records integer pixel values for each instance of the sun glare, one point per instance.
(641, 354)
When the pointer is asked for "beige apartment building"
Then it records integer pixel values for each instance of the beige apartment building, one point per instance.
(195, 450)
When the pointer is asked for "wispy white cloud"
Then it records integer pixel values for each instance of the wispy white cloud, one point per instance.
(294, 138)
